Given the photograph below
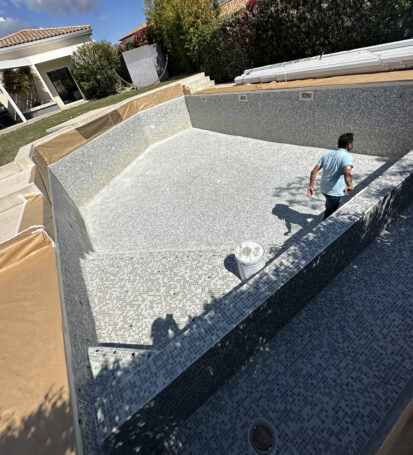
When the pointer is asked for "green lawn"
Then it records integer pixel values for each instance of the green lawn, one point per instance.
(11, 142)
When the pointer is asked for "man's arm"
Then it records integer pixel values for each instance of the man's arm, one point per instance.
(347, 178)
(313, 175)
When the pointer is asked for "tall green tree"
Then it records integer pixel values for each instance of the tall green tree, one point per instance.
(175, 25)
(94, 66)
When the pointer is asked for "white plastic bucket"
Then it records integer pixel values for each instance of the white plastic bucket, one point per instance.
(250, 257)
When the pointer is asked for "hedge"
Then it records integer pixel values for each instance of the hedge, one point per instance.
(272, 31)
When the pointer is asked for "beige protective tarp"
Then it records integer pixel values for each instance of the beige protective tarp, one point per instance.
(35, 411)
(37, 211)
(150, 100)
(400, 439)
(391, 76)
(63, 144)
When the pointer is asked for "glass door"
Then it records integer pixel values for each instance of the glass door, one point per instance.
(65, 85)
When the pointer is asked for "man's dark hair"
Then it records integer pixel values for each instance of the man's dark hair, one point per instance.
(345, 139)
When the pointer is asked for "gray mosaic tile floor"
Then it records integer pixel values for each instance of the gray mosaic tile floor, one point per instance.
(200, 189)
(164, 231)
(330, 377)
(145, 299)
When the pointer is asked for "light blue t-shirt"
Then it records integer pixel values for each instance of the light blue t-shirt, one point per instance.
(332, 163)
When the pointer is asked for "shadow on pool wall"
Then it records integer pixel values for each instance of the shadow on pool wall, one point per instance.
(201, 358)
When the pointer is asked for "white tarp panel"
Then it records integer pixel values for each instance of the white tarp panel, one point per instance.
(383, 57)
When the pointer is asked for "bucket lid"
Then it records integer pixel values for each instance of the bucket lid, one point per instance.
(249, 253)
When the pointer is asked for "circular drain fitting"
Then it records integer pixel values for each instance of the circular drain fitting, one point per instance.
(262, 437)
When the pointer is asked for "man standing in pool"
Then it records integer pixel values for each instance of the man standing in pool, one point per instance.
(336, 180)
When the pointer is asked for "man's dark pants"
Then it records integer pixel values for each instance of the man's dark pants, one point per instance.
(332, 204)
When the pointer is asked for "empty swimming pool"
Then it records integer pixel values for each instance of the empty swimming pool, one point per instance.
(148, 216)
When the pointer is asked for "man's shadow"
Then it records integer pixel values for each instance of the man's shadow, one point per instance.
(291, 216)
(163, 330)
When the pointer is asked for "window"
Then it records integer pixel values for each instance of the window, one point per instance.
(65, 85)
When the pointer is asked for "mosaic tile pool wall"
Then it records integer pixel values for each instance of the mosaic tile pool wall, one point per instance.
(89, 168)
(380, 117)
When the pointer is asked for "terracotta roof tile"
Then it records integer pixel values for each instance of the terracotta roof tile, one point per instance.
(136, 29)
(36, 34)
(232, 6)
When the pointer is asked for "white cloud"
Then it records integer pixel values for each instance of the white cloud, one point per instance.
(9, 25)
(59, 6)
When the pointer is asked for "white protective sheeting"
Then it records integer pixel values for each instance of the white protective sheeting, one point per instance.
(383, 57)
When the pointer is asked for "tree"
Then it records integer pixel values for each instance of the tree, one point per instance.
(94, 66)
(175, 25)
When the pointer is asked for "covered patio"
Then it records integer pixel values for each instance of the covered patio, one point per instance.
(42, 57)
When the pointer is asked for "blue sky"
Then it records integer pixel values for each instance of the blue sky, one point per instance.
(110, 19)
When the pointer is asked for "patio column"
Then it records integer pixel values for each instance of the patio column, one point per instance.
(19, 112)
(42, 81)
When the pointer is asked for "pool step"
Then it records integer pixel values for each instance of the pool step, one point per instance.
(146, 299)
(9, 169)
(193, 79)
(199, 82)
(107, 364)
(142, 301)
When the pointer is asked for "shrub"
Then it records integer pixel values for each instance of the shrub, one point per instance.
(94, 66)
(273, 31)
(175, 25)
(142, 37)
(18, 80)
(291, 29)
(220, 51)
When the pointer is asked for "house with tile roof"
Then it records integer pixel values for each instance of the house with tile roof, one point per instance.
(130, 36)
(47, 53)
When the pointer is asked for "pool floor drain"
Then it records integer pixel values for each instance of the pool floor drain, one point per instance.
(262, 437)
